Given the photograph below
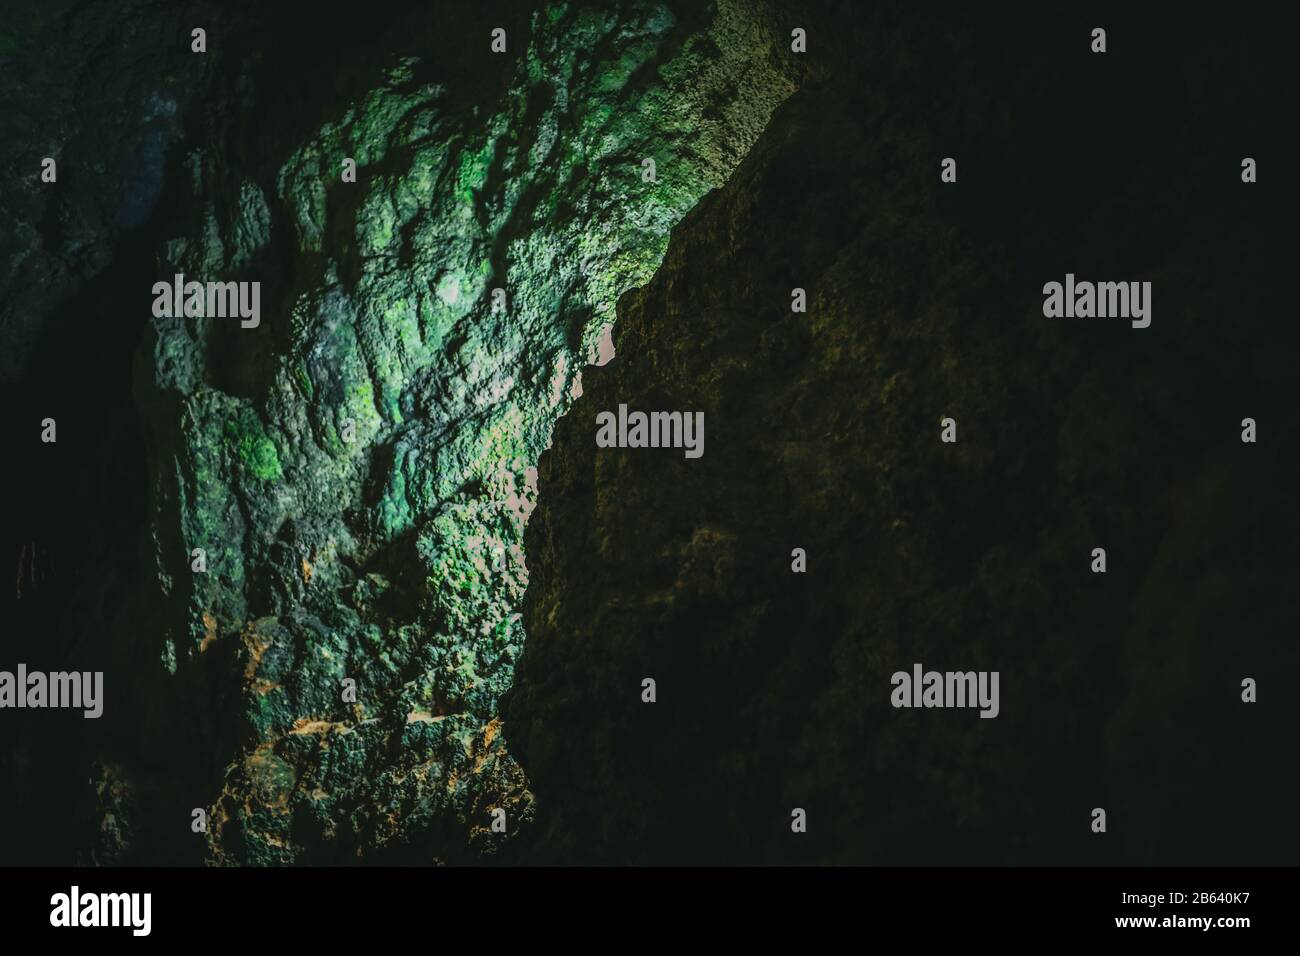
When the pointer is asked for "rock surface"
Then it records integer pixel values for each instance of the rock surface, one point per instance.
(358, 468)
(1119, 690)
(106, 97)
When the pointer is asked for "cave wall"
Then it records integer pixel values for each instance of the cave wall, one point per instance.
(108, 108)
(358, 467)
(113, 94)
(1118, 690)
(410, 558)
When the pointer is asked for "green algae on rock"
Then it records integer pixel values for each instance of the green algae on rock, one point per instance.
(360, 468)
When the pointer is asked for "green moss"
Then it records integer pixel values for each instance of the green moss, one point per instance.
(450, 401)
(394, 511)
(303, 378)
(502, 440)
(361, 405)
(375, 223)
(473, 170)
(255, 449)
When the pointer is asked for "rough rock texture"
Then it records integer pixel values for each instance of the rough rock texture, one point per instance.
(107, 108)
(1119, 690)
(395, 560)
(110, 92)
(359, 467)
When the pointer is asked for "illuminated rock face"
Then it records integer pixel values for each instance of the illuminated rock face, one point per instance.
(359, 468)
